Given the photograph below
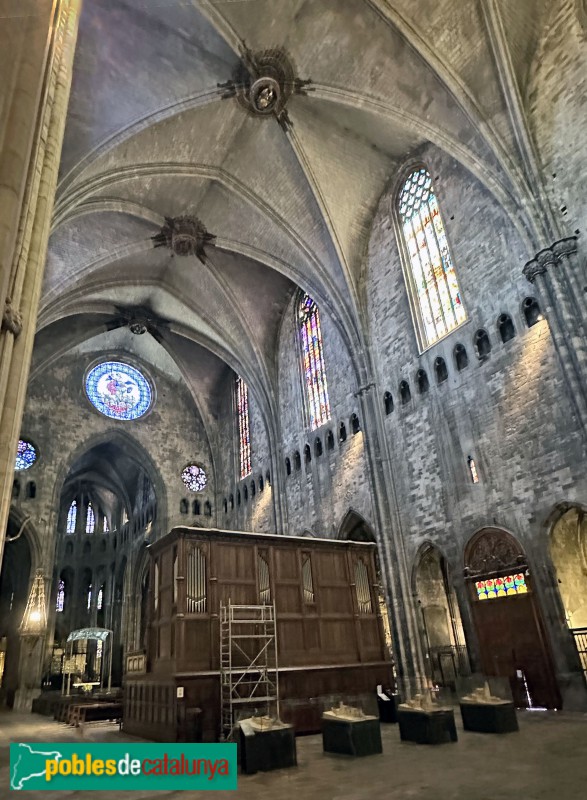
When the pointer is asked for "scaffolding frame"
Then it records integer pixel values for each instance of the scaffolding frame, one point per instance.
(249, 677)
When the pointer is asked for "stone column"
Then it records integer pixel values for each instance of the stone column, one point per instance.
(567, 256)
(30, 670)
(554, 294)
(407, 645)
(37, 44)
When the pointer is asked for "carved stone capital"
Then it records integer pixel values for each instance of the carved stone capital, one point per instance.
(11, 318)
(532, 269)
(546, 258)
(565, 247)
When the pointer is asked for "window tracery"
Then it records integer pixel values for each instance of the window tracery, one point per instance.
(433, 276)
(313, 368)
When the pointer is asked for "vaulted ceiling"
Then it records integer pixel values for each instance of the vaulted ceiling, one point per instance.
(149, 136)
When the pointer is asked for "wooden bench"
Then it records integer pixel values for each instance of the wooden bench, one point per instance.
(94, 712)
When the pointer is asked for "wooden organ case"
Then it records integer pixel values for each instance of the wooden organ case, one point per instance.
(330, 635)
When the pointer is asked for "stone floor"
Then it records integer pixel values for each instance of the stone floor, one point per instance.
(546, 759)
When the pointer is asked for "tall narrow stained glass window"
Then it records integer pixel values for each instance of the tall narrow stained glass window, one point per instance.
(314, 370)
(71, 517)
(436, 289)
(90, 519)
(60, 597)
(244, 433)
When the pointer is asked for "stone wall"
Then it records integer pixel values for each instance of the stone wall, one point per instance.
(255, 511)
(63, 425)
(510, 411)
(557, 106)
(320, 493)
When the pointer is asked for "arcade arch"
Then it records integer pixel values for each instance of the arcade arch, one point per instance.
(441, 626)
(507, 615)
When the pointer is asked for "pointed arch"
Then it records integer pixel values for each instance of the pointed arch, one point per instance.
(355, 528)
(440, 623)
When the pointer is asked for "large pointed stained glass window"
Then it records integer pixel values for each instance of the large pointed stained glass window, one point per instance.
(314, 372)
(439, 306)
(244, 433)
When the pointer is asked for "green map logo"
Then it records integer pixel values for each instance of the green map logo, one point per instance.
(122, 767)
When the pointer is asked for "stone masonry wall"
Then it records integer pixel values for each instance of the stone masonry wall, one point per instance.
(510, 412)
(255, 512)
(557, 108)
(59, 420)
(321, 493)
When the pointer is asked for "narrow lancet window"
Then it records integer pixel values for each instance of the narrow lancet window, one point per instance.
(60, 597)
(242, 410)
(72, 517)
(90, 519)
(314, 371)
(439, 306)
(473, 469)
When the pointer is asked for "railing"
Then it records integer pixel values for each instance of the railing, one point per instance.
(580, 639)
(447, 663)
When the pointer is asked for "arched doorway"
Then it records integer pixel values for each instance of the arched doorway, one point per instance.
(568, 551)
(511, 633)
(441, 626)
(14, 588)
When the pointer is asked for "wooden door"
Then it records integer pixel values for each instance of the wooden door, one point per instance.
(512, 641)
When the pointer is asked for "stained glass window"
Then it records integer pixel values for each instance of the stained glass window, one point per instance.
(194, 478)
(244, 433)
(89, 596)
(473, 470)
(118, 390)
(100, 599)
(26, 455)
(106, 527)
(71, 517)
(313, 363)
(440, 308)
(501, 587)
(60, 596)
(90, 519)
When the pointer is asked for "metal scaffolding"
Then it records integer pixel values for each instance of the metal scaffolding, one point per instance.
(248, 664)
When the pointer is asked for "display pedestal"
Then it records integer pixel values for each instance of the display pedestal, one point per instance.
(388, 707)
(489, 717)
(361, 737)
(274, 748)
(427, 727)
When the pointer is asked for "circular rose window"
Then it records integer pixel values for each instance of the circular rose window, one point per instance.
(194, 478)
(26, 455)
(118, 390)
